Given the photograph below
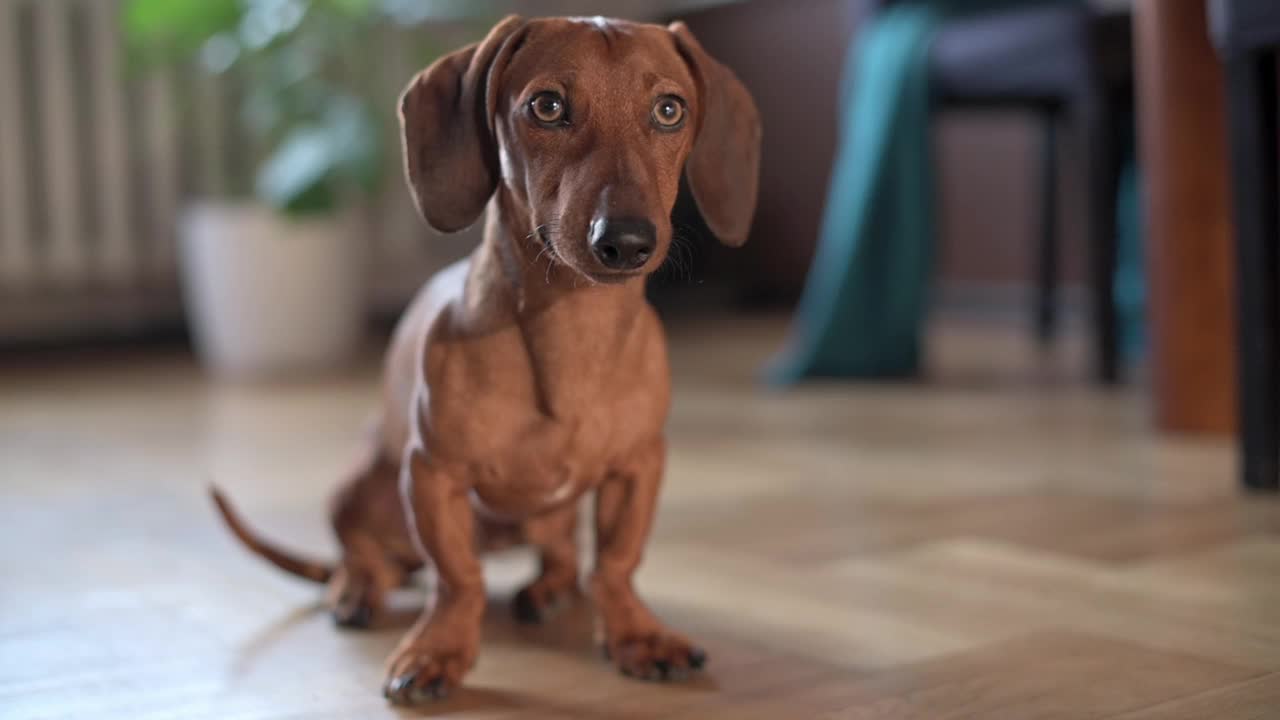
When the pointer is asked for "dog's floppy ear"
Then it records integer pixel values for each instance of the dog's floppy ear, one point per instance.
(450, 154)
(723, 169)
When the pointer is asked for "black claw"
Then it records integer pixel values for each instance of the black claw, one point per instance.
(525, 610)
(363, 616)
(396, 686)
(697, 658)
(357, 619)
(438, 689)
(604, 650)
(421, 695)
(663, 667)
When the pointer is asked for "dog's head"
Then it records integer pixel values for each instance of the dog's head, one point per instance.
(588, 125)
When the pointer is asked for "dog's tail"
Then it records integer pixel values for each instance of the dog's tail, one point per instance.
(290, 563)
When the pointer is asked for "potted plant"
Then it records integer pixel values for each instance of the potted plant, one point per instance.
(272, 274)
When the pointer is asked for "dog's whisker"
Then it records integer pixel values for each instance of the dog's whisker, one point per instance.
(543, 234)
(690, 236)
(689, 249)
(536, 232)
(669, 267)
(679, 261)
(545, 249)
(688, 231)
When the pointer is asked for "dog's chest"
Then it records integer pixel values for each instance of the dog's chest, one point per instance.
(531, 439)
(545, 463)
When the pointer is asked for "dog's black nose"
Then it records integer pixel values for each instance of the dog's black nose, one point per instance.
(622, 243)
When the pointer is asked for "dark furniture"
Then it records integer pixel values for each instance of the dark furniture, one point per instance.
(791, 55)
(1247, 35)
(1069, 66)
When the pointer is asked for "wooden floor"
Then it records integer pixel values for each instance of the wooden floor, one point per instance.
(998, 542)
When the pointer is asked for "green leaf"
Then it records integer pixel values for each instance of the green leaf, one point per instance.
(354, 130)
(178, 26)
(293, 178)
(355, 8)
(309, 101)
(317, 199)
(314, 165)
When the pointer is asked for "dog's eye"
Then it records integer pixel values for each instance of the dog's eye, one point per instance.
(549, 108)
(668, 112)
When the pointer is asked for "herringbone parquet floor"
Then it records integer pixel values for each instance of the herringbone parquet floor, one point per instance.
(1000, 541)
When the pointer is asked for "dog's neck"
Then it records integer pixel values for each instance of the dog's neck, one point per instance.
(515, 280)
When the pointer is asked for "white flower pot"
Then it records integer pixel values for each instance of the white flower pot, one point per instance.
(269, 295)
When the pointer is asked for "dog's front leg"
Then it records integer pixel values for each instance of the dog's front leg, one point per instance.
(442, 645)
(639, 644)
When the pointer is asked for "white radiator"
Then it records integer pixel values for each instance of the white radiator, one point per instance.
(96, 162)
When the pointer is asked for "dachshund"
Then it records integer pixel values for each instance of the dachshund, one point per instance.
(535, 372)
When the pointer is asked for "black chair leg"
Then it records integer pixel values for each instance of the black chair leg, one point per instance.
(1047, 257)
(1251, 99)
(1105, 133)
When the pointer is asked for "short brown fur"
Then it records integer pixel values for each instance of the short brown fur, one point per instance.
(531, 373)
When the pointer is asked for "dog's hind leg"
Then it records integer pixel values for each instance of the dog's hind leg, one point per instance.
(553, 535)
(367, 518)
(359, 588)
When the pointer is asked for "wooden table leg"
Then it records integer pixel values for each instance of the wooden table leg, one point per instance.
(1189, 246)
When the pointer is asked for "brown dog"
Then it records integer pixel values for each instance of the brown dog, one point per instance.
(535, 371)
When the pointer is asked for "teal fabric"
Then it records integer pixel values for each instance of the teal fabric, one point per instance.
(865, 295)
(865, 299)
(1130, 288)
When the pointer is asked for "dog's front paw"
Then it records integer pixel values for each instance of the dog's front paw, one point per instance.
(422, 674)
(657, 656)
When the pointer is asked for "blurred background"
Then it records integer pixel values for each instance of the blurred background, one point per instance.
(260, 136)
(1011, 284)
(121, 118)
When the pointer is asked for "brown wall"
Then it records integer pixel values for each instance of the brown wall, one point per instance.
(989, 172)
(789, 54)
